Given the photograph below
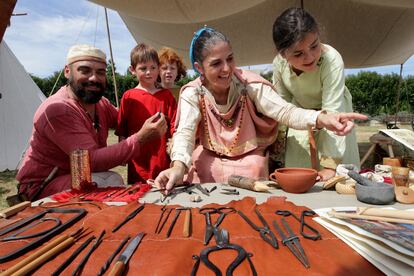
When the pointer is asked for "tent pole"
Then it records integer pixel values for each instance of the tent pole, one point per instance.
(301, 4)
(398, 93)
(112, 59)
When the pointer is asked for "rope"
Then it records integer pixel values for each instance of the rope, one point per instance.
(76, 40)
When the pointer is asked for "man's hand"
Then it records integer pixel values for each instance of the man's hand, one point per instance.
(340, 123)
(154, 127)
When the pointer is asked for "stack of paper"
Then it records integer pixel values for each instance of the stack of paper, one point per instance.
(389, 246)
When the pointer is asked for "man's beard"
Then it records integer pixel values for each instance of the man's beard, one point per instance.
(88, 97)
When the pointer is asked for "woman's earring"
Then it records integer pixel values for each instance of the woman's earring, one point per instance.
(202, 78)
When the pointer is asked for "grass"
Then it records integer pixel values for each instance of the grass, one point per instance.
(8, 182)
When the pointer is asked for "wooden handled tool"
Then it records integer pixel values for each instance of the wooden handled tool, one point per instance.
(187, 223)
(34, 256)
(45, 257)
(118, 269)
(14, 209)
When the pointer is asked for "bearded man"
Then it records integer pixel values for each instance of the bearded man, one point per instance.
(79, 117)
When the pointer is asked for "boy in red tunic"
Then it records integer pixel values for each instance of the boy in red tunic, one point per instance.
(140, 103)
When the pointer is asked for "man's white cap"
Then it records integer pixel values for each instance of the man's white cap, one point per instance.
(85, 52)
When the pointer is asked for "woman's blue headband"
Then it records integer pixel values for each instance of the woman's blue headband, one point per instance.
(193, 41)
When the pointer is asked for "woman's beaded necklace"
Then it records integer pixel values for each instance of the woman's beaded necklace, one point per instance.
(241, 104)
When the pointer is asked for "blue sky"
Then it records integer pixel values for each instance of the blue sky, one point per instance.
(40, 40)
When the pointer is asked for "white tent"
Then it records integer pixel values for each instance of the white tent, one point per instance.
(366, 32)
(19, 99)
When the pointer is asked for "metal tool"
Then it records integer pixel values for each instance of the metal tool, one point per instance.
(222, 238)
(230, 193)
(265, 233)
(123, 259)
(75, 253)
(184, 189)
(44, 238)
(129, 217)
(222, 211)
(212, 189)
(85, 258)
(292, 242)
(36, 259)
(177, 214)
(165, 220)
(105, 267)
(163, 209)
(202, 189)
(316, 235)
(15, 235)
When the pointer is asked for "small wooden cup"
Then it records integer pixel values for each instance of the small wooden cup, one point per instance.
(391, 161)
(400, 176)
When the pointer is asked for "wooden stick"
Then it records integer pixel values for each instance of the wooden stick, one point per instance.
(312, 149)
(187, 224)
(34, 256)
(389, 213)
(247, 183)
(45, 257)
(14, 209)
(356, 216)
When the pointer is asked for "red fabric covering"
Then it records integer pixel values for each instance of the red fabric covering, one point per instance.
(136, 107)
(114, 194)
(158, 255)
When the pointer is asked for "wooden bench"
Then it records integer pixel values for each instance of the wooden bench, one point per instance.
(378, 139)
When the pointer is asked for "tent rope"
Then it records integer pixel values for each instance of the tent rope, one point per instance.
(112, 59)
(76, 41)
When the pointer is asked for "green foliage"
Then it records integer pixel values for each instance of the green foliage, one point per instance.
(374, 94)
(186, 80)
(46, 84)
(268, 76)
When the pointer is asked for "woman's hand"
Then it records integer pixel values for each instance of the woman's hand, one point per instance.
(168, 178)
(340, 123)
(154, 127)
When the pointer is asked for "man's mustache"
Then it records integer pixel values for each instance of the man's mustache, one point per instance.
(91, 83)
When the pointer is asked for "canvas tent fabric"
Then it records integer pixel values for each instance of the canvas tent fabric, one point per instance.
(19, 99)
(366, 32)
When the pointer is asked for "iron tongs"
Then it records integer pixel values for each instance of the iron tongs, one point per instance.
(292, 242)
(265, 233)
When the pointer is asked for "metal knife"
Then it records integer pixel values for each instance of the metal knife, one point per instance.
(123, 259)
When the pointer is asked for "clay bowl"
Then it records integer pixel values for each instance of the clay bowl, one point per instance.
(295, 180)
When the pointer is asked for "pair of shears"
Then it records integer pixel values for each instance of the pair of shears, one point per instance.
(315, 236)
(222, 211)
(265, 233)
(292, 242)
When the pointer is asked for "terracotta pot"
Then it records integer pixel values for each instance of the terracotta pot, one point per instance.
(295, 180)
(391, 161)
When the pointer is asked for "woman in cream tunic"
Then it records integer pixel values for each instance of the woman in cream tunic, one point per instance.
(310, 75)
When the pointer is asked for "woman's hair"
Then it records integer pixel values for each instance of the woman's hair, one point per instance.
(291, 27)
(143, 53)
(204, 39)
(167, 55)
